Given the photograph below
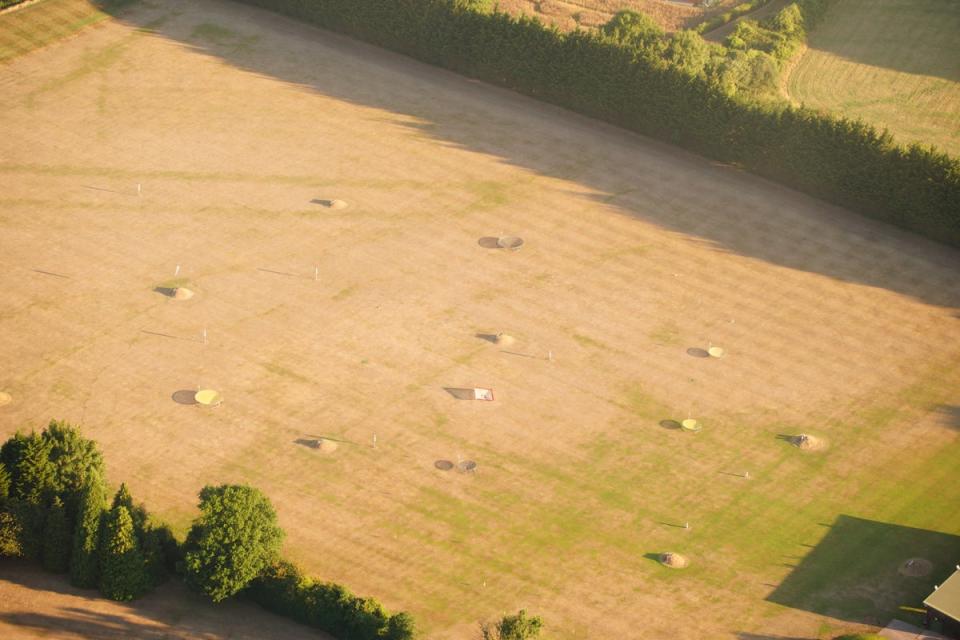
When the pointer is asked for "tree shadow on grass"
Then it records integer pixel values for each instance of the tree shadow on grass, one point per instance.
(950, 415)
(731, 211)
(853, 573)
(171, 611)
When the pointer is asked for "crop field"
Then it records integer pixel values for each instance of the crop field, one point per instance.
(892, 64)
(198, 144)
(571, 14)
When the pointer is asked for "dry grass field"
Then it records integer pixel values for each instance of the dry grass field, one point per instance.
(233, 122)
(893, 64)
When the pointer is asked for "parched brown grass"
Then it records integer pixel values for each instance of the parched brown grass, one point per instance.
(239, 124)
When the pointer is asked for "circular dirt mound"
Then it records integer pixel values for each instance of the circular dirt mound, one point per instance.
(673, 560)
(182, 293)
(916, 568)
(337, 204)
(467, 466)
(509, 242)
(716, 352)
(697, 352)
(505, 340)
(5, 398)
(326, 446)
(443, 465)
(807, 442)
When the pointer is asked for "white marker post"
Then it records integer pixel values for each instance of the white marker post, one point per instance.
(374, 441)
(550, 356)
(204, 335)
(177, 271)
(138, 189)
(746, 475)
(316, 274)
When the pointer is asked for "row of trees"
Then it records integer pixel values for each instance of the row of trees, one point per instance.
(54, 509)
(611, 76)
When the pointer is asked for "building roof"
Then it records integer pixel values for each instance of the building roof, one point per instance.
(946, 599)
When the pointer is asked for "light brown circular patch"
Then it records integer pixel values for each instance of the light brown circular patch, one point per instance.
(182, 293)
(505, 340)
(338, 204)
(326, 446)
(807, 442)
(5, 398)
(916, 568)
(673, 560)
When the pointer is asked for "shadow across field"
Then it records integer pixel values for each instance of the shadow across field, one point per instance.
(872, 33)
(751, 220)
(853, 573)
(728, 209)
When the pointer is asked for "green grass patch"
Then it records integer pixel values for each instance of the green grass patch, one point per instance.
(41, 23)
(894, 64)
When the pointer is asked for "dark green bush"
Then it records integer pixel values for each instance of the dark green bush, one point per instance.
(283, 589)
(235, 538)
(844, 162)
(56, 539)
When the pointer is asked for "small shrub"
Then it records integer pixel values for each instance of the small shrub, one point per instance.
(513, 627)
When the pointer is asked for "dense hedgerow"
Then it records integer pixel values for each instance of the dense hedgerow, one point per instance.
(842, 161)
(729, 16)
(281, 588)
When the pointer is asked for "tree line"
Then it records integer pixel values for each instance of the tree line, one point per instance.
(678, 89)
(55, 509)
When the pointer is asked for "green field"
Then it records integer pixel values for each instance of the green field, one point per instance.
(894, 64)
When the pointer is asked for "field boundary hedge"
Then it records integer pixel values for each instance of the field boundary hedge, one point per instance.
(845, 162)
(727, 17)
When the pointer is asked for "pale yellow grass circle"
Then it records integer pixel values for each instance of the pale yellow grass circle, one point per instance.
(5, 398)
(716, 352)
(326, 446)
(208, 397)
(509, 242)
(806, 442)
(673, 560)
(505, 340)
(916, 568)
(691, 425)
(182, 293)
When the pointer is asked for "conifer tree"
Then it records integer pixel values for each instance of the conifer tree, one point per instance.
(123, 575)
(34, 472)
(84, 561)
(56, 539)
